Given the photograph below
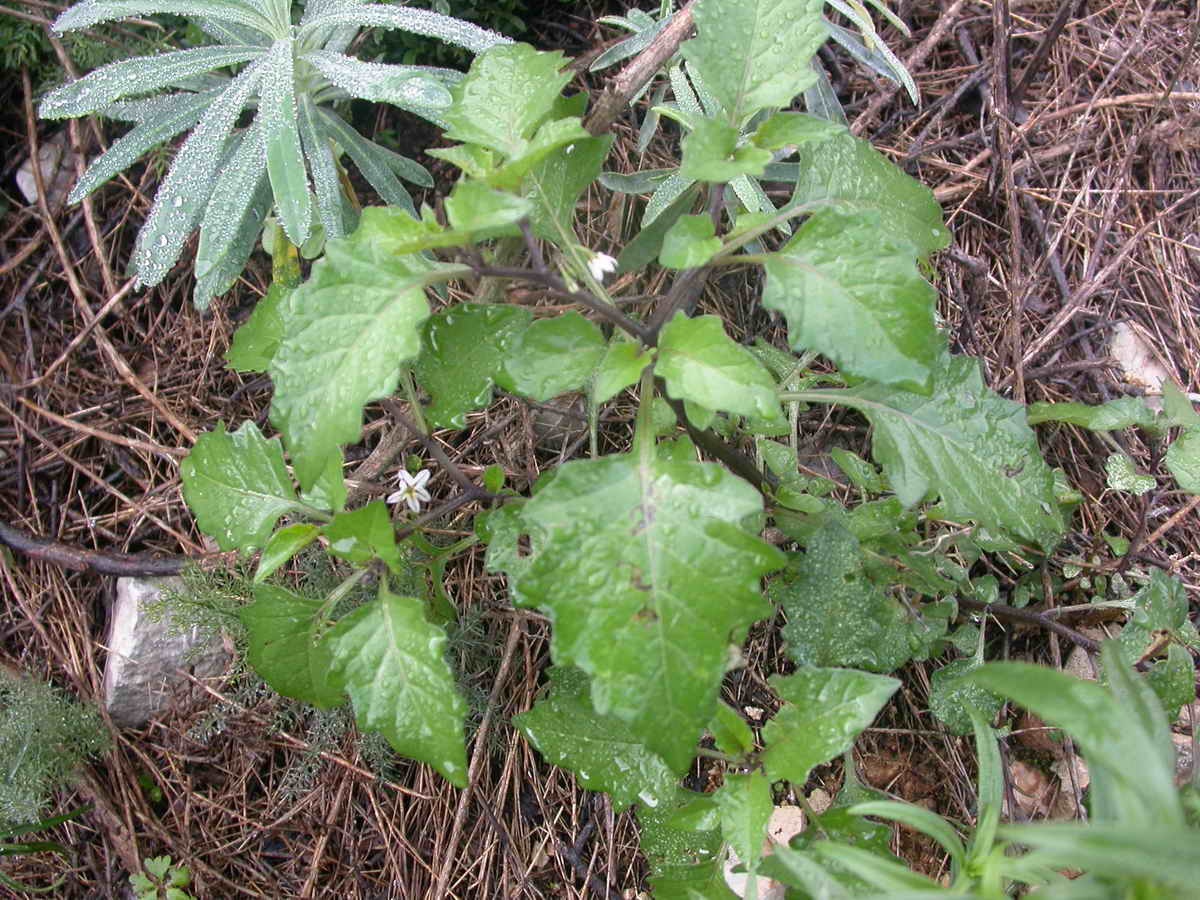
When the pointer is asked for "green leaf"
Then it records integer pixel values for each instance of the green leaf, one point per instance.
(711, 153)
(837, 615)
(1124, 412)
(348, 331)
(861, 473)
(602, 751)
(621, 366)
(793, 129)
(237, 486)
(755, 53)
(1177, 406)
(801, 870)
(896, 879)
(689, 243)
(391, 662)
(965, 443)
(646, 245)
(284, 647)
(556, 183)
(140, 75)
(745, 805)
(329, 490)
(1110, 733)
(484, 212)
(508, 91)
(552, 356)
(1183, 460)
(702, 364)
(255, 342)
(685, 862)
(852, 292)
(548, 141)
(285, 157)
(649, 574)
(849, 174)
(919, 818)
(283, 545)
(363, 535)
(158, 866)
(464, 347)
(823, 711)
(730, 731)
(1173, 680)
(951, 697)
(1121, 474)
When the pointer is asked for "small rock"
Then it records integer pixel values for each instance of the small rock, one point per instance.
(141, 674)
(58, 172)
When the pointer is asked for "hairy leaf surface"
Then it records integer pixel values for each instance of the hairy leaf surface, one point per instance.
(823, 711)
(648, 574)
(753, 54)
(602, 751)
(391, 662)
(837, 615)
(237, 486)
(463, 349)
(853, 293)
(702, 364)
(348, 329)
(965, 443)
(284, 648)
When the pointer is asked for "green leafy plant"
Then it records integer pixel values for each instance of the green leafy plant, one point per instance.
(649, 562)
(1138, 841)
(225, 179)
(162, 879)
(10, 846)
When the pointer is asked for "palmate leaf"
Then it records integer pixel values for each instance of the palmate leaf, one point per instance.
(753, 54)
(348, 330)
(851, 292)
(602, 751)
(237, 486)
(391, 662)
(964, 443)
(648, 573)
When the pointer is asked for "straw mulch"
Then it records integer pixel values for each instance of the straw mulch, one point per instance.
(1070, 184)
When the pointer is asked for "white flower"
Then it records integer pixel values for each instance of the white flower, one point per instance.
(412, 489)
(600, 265)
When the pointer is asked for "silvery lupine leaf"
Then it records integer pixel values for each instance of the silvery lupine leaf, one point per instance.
(881, 60)
(324, 169)
(178, 113)
(666, 194)
(285, 158)
(631, 45)
(883, 8)
(232, 33)
(417, 21)
(147, 109)
(137, 76)
(821, 99)
(93, 12)
(232, 193)
(185, 191)
(409, 87)
(314, 9)
(233, 219)
(370, 162)
(406, 168)
(684, 95)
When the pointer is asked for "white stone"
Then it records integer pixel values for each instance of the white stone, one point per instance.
(141, 676)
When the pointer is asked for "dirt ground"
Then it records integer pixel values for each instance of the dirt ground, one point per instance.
(1070, 179)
